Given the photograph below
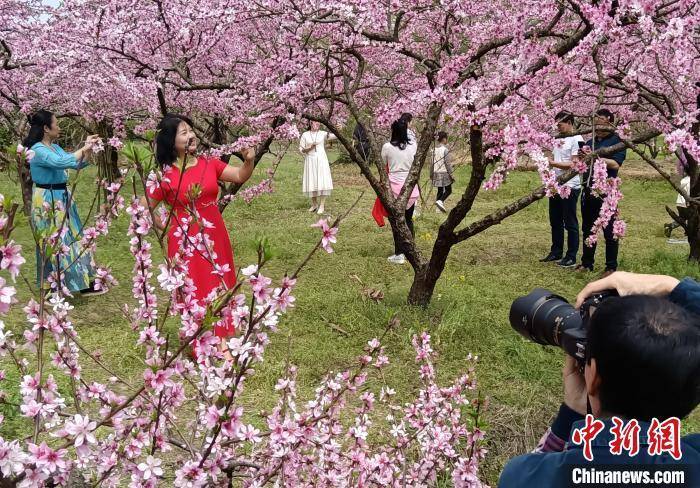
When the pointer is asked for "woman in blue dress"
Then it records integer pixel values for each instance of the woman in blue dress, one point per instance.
(54, 209)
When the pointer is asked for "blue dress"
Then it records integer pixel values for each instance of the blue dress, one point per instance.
(75, 267)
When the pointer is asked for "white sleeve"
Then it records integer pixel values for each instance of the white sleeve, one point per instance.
(685, 184)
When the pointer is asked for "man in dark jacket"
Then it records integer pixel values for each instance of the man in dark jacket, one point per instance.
(603, 136)
(643, 370)
(361, 141)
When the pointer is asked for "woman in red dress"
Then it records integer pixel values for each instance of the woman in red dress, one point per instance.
(195, 185)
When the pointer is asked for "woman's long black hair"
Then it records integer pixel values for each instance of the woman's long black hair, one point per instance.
(37, 121)
(399, 134)
(165, 139)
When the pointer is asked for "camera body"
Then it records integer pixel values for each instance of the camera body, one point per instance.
(549, 319)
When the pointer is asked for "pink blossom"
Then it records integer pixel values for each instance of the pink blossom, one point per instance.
(250, 270)
(619, 228)
(249, 433)
(158, 380)
(104, 279)
(81, 428)
(329, 234)
(48, 459)
(212, 416)
(151, 467)
(7, 296)
(116, 143)
(282, 299)
(12, 458)
(11, 258)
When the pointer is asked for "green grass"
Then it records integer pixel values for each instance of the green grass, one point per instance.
(469, 312)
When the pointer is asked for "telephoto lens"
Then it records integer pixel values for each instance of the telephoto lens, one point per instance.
(547, 318)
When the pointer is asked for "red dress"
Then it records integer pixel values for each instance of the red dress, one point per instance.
(206, 174)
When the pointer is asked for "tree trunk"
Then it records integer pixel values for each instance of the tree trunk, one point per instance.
(422, 288)
(426, 276)
(693, 170)
(693, 232)
(107, 160)
(25, 183)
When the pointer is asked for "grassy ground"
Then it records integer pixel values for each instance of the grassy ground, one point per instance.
(469, 312)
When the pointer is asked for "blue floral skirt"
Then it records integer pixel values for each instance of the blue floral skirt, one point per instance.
(75, 267)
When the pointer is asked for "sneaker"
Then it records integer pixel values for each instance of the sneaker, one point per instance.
(91, 291)
(397, 259)
(567, 263)
(582, 268)
(606, 273)
(439, 204)
(668, 228)
(550, 257)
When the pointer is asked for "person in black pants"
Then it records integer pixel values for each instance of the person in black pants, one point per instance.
(562, 211)
(604, 136)
(409, 222)
(361, 141)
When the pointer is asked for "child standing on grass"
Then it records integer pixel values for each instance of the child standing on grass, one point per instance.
(441, 171)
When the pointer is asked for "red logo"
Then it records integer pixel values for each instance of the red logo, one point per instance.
(586, 434)
(665, 437)
(625, 437)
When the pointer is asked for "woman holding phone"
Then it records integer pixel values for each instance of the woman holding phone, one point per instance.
(53, 206)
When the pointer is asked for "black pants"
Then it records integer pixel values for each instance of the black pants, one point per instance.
(562, 215)
(444, 192)
(409, 222)
(590, 208)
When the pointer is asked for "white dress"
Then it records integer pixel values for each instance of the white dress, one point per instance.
(317, 180)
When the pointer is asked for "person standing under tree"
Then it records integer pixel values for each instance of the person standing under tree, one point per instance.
(361, 141)
(562, 211)
(603, 136)
(441, 171)
(317, 182)
(398, 154)
(53, 207)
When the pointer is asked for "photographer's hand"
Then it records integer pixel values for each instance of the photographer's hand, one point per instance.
(575, 394)
(630, 284)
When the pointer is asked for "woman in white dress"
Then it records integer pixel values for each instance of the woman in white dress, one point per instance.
(317, 183)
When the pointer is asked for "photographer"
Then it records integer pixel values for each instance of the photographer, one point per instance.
(642, 362)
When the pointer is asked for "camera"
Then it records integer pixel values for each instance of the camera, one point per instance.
(549, 319)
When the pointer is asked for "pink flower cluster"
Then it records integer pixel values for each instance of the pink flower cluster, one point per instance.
(609, 190)
(329, 235)
(121, 432)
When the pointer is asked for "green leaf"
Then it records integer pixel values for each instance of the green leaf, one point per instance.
(135, 151)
